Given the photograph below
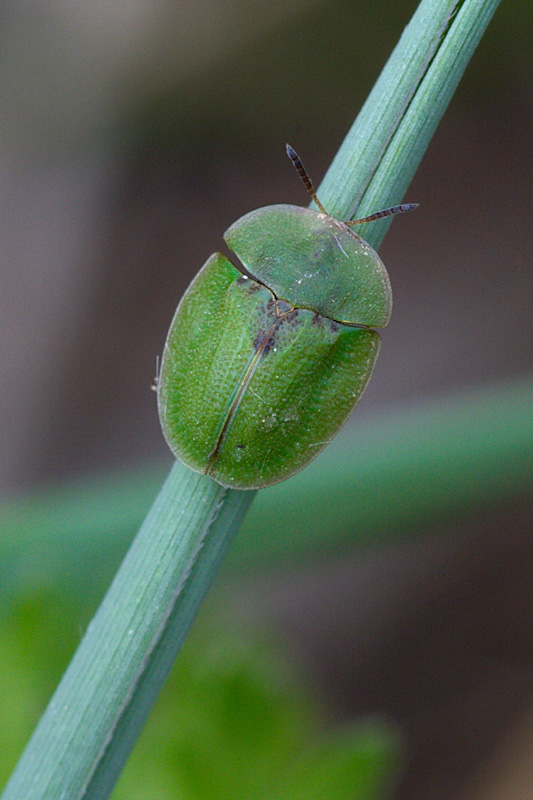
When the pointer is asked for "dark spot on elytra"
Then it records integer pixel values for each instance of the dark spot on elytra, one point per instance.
(319, 321)
(265, 345)
(240, 446)
(266, 319)
(292, 320)
(249, 286)
(269, 344)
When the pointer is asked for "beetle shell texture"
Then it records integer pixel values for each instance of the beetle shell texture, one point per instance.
(260, 371)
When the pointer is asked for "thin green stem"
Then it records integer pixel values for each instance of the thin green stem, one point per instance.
(115, 676)
(378, 158)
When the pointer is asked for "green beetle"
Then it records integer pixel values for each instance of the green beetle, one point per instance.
(261, 367)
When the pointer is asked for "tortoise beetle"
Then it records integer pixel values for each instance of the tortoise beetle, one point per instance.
(262, 367)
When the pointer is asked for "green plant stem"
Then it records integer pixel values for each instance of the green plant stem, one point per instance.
(98, 710)
(385, 145)
(113, 680)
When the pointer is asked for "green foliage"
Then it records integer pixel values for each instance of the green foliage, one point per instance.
(355, 762)
(231, 717)
(236, 718)
(37, 637)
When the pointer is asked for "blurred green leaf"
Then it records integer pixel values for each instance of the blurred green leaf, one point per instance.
(389, 476)
(357, 762)
(235, 715)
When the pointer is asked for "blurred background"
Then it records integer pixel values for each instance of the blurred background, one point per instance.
(133, 134)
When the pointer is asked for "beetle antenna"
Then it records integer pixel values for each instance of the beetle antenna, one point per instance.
(387, 212)
(302, 172)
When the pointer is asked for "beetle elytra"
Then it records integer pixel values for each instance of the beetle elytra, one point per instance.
(262, 367)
